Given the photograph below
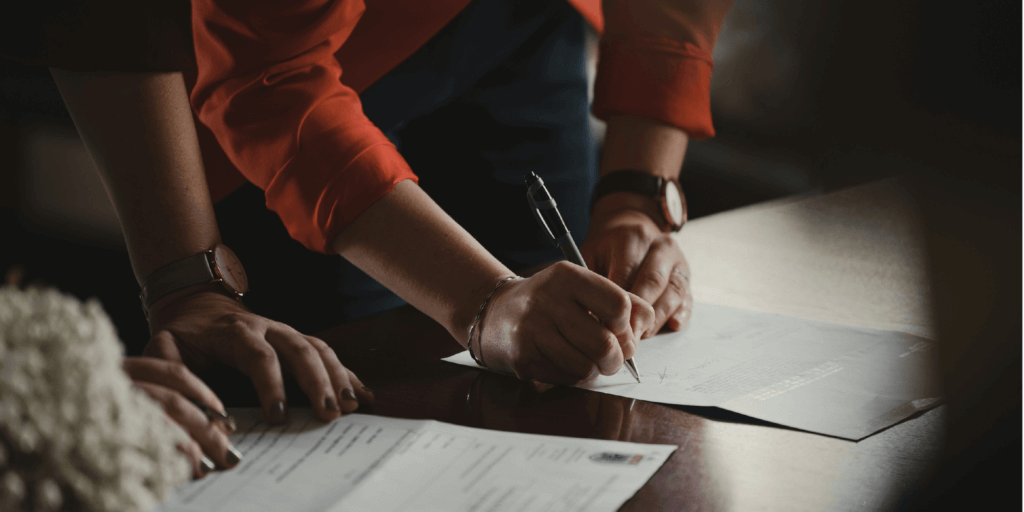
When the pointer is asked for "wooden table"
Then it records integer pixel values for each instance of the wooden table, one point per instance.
(852, 257)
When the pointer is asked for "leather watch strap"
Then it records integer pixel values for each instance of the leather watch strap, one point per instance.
(183, 273)
(627, 181)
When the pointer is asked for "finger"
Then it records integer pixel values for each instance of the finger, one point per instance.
(176, 376)
(533, 364)
(682, 318)
(642, 317)
(599, 346)
(340, 377)
(564, 351)
(164, 346)
(257, 359)
(211, 439)
(669, 303)
(308, 367)
(653, 275)
(594, 293)
(195, 457)
(364, 393)
(624, 260)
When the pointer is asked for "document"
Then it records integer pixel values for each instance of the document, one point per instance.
(374, 463)
(827, 378)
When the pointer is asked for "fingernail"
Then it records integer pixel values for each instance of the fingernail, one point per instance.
(368, 390)
(278, 413)
(347, 394)
(207, 464)
(329, 404)
(232, 456)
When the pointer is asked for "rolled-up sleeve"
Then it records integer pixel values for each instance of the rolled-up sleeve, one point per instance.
(655, 61)
(269, 88)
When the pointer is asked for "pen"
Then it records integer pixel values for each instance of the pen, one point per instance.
(546, 212)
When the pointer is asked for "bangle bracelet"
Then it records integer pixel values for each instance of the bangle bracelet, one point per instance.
(479, 315)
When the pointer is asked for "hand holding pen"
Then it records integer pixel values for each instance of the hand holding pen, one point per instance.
(546, 212)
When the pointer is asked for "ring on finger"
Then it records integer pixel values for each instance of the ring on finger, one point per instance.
(680, 272)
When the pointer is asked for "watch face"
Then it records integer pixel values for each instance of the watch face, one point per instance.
(228, 268)
(675, 208)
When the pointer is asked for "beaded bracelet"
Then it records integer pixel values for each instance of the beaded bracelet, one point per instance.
(479, 315)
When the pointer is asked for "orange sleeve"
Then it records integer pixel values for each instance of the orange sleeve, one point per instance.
(655, 61)
(269, 88)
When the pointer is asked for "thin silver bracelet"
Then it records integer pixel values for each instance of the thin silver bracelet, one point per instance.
(479, 315)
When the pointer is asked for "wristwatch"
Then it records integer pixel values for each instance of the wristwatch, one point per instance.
(216, 265)
(666, 193)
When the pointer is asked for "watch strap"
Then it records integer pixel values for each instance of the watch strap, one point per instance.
(190, 271)
(627, 181)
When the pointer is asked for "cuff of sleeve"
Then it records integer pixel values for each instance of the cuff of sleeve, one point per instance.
(316, 208)
(658, 79)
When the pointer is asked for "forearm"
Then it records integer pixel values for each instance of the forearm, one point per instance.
(138, 128)
(640, 144)
(406, 242)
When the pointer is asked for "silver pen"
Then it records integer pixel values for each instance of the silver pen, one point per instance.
(546, 212)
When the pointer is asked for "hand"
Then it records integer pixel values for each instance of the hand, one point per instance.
(628, 247)
(203, 327)
(174, 386)
(546, 327)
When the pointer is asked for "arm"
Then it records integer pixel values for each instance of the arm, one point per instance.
(139, 131)
(653, 89)
(131, 122)
(538, 328)
(272, 94)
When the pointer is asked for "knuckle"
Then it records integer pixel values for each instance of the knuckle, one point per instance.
(306, 351)
(318, 343)
(653, 279)
(328, 355)
(647, 311)
(677, 283)
(563, 266)
(664, 243)
(237, 322)
(175, 405)
(620, 301)
(261, 354)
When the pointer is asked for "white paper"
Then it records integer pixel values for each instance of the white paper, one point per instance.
(828, 378)
(375, 463)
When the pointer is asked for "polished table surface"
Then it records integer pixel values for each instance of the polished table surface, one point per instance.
(852, 257)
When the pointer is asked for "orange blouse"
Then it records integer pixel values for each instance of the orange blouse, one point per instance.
(276, 109)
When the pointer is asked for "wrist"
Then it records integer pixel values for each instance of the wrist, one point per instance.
(469, 311)
(659, 197)
(172, 301)
(628, 204)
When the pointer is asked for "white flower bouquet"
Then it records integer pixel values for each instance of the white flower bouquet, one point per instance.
(75, 434)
